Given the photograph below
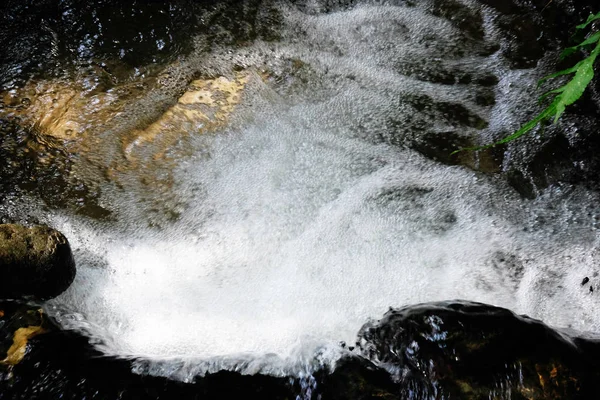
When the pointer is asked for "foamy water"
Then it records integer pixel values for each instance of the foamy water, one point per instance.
(301, 223)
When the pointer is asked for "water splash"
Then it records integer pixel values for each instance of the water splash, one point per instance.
(305, 219)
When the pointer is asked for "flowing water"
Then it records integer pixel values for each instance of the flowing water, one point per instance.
(311, 213)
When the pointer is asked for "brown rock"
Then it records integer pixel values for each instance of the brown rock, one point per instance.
(34, 262)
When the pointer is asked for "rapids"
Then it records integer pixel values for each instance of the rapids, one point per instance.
(312, 212)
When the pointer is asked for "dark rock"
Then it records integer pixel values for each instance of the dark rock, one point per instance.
(37, 35)
(537, 26)
(439, 146)
(566, 152)
(45, 37)
(464, 18)
(18, 323)
(456, 350)
(355, 378)
(469, 350)
(63, 364)
(25, 170)
(520, 183)
(527, 31)
(34, 262)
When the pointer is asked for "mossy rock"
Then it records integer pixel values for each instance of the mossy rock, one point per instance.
(34, 262)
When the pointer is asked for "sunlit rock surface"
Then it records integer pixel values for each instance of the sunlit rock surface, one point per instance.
(66, 115)
(204, 107)
(69, 123)
(18, 324)
(109, 87)
(78, 79)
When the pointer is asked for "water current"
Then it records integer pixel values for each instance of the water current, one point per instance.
(303, 219)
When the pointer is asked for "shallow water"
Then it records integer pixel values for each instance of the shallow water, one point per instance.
(311, 213)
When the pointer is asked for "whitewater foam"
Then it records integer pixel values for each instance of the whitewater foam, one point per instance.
(296, 226)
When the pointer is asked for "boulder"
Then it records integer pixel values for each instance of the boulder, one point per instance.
(34, 262)
(468, 350)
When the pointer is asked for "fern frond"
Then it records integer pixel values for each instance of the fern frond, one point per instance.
(589, 41)
(565, 95)
(591, 18)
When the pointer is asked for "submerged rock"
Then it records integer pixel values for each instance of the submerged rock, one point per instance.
(468, 350)
(126, 99)
(95, 97)
(34, 262)
(18, 324)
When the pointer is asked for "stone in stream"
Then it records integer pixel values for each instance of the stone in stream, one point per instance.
(468, 350)
(34, 262)
(449, 350)
(42, 361)
(18, 324)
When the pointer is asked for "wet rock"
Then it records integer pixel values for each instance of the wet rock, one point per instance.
(205, 106)
(561, 153)
(464, 18)
(509, 267)
(38, 36)
(439, 146)
(529, 31)
(567, 153)
(65, 123)
(63, 364)
(472, 351)
(18, 324)
(34, 262)
(76, 76)
(25, 168)
(355, 378)
(455, 349)
(43, 38)
(537, 26)
(518, 180)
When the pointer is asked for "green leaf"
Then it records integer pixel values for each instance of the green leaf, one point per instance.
(567, 71)
(590, 40)
(591, 18)
(565, 95)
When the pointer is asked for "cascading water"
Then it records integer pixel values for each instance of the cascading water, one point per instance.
(312, 214)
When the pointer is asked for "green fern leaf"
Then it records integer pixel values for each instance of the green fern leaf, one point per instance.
(591, 18)
(570, 50)
(565, 95)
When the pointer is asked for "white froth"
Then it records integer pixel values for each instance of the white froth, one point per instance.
(296, 230)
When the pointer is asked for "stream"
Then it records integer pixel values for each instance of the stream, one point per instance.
(324, 200)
